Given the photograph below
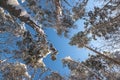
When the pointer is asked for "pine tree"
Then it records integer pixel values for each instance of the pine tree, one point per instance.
(24, 41)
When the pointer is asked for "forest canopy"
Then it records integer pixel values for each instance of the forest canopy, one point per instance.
(24, 43)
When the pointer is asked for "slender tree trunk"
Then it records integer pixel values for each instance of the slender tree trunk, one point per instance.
(106, 57)
(96, 75)
(58, 9)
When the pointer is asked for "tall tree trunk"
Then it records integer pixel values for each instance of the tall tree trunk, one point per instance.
(96, 75)
(106, 57)
(58, 10)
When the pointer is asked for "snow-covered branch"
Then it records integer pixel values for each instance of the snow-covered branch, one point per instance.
(15, 9)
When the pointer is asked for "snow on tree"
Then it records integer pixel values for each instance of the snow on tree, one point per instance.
(28, 47)
(14, 71)
(93, 68)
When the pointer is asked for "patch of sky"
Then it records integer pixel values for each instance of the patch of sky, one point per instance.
(64, 49)
(61, 44)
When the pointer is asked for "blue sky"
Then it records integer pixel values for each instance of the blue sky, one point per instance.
(61, 44)
(64, 49)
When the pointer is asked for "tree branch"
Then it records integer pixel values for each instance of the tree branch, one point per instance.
(102, 55)
(15, 9)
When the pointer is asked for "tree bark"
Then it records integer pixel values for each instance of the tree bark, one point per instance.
(58, 10)
(106, 57)
(96, 75)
